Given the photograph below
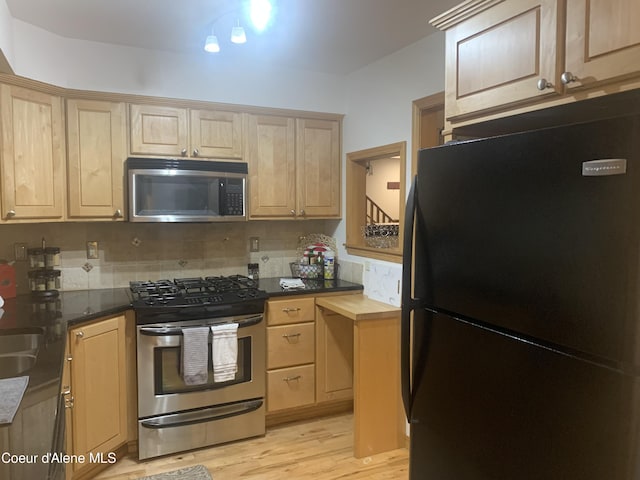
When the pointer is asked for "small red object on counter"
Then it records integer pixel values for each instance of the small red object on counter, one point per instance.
(7, 280)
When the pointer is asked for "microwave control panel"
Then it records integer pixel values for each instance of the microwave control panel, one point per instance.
(232, 190)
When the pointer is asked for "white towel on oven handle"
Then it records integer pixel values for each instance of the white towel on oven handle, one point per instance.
(195, 355)
(224, 351)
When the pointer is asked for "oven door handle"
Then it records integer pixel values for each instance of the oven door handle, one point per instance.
(204, 415)
(168, 331)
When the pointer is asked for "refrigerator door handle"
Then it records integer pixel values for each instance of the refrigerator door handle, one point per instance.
(408, 303)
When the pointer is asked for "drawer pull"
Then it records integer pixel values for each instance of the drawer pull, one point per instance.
(292, 336)
(291, 379)
(289, 309)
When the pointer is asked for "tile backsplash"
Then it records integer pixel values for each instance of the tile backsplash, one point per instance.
(383, 282)
(150, 251)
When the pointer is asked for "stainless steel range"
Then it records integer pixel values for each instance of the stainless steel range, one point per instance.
(174, 412)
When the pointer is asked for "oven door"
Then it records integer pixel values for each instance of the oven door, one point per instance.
(161, 388)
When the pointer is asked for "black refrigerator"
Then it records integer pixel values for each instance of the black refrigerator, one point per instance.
(521, 306)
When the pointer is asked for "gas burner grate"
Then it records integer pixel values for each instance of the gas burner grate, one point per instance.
(160, 287)
(196, 291)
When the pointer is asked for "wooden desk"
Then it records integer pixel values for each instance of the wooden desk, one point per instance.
(379, 424)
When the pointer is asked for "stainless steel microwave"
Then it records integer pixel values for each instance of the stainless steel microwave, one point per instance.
(177, 190)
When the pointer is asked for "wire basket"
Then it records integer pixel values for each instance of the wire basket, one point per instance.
(311, 238)
(382, 235)
(299, 270)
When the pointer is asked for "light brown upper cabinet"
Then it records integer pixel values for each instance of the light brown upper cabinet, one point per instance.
(294, 167)
(181, 132)
(318, 168)
(603, 41)
(33, 151)
(97, 145)
(510, 56)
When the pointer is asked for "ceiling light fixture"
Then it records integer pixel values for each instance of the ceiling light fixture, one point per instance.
(211, 44)
(237, 34)
(260, 13)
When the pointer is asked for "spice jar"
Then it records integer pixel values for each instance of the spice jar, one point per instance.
(52, 257)
(53, 279)
(36, 257)
(37, 281)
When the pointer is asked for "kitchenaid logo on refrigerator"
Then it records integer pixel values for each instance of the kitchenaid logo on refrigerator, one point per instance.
(609, 166)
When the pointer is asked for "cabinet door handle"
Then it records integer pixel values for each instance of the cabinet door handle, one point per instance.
(291, 379)
(302, 212)
(68, 402)
(567, 78)
(80, 334)
(291, 336)
(543, 84)
(290, 309)
(293, 212)
(117, 213)
(183, 152)
(11, 213)
(195, 152)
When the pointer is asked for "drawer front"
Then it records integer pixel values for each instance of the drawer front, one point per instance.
(289, 345)
(290, 310)
(290, 387)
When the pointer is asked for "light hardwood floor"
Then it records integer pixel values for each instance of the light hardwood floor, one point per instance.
(319, 449)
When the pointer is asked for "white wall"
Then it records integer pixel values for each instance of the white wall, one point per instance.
(382, 171)
(378, 112)
(6, 32)
(376, 99)
(85, 65)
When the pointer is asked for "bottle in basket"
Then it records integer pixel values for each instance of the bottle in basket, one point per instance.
(329, 265)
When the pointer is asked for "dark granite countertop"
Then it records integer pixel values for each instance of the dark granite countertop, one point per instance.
(273, 288)
(32, 436)
(34, 426)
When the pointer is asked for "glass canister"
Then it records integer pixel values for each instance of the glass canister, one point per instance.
(44, 282)
(37, 281)
(52, 278)
(36, 257)
(52, 257)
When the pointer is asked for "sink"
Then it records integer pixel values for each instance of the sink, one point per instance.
(28, 343)
(16, 365)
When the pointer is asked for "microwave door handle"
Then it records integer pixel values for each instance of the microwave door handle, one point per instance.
(222, 196)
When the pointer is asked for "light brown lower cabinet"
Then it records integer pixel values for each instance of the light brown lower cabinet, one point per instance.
(96, 388)
(291, 387)
(290, 353)
(334, 356)
(309, 360)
